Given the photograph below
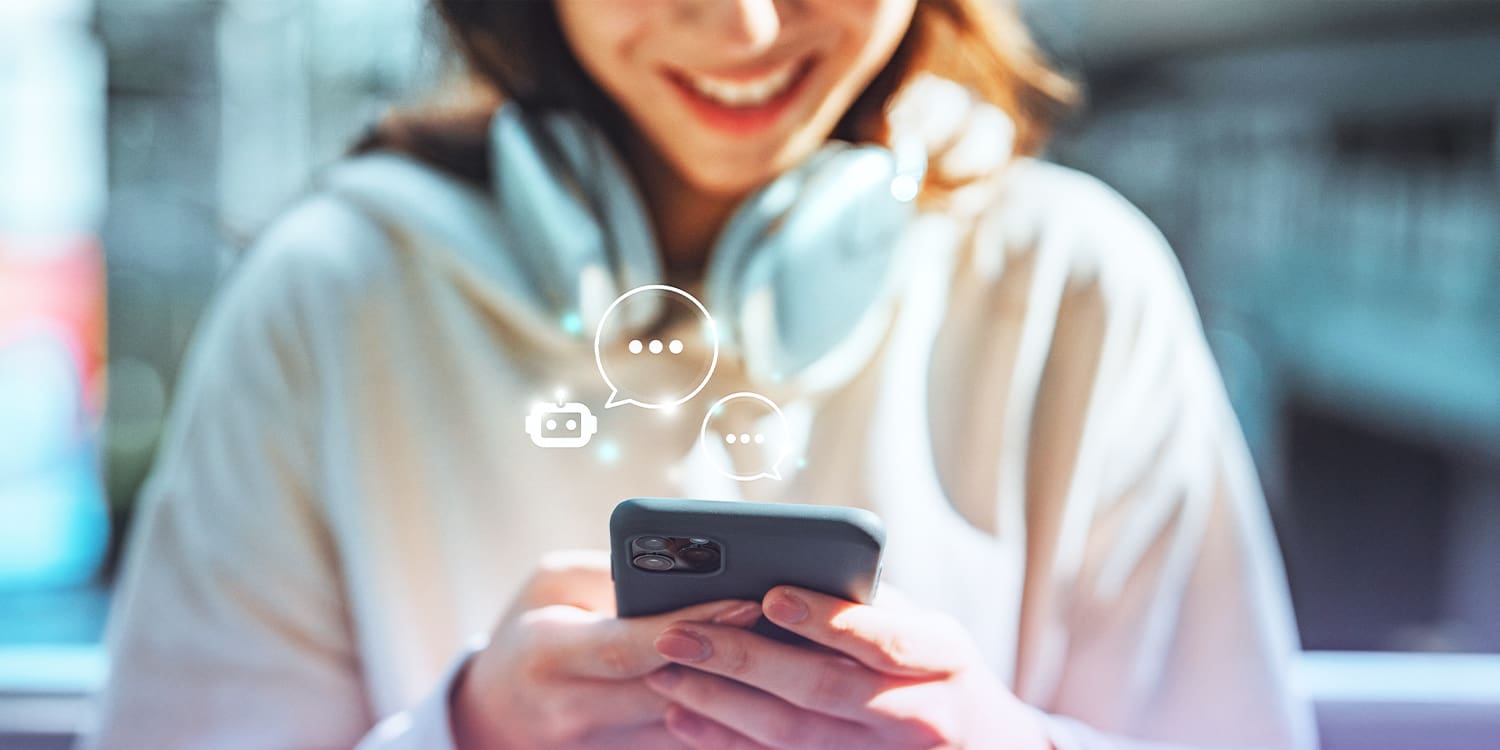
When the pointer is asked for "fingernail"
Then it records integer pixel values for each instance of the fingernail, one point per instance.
(787, 608)
(741, 614)
(683, 645)
(664, 679)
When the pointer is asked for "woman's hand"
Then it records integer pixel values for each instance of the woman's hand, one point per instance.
(893, 677)
(562, 672)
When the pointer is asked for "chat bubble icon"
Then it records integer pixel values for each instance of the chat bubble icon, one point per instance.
(656, 347)
(745, 436)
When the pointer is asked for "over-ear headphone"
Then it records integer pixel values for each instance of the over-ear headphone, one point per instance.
(799, 266)
(799, 272)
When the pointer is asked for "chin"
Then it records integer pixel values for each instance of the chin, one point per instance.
(728, 184)
(727, 176)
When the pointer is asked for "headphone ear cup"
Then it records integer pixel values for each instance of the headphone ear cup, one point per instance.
(812, 258)
(572, 212)
(542, 208)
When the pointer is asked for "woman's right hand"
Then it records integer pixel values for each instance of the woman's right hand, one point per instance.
(561, 671)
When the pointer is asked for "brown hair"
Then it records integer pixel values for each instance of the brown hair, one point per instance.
(516, 51)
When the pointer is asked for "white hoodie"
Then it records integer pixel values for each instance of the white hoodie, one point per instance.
(346, 494)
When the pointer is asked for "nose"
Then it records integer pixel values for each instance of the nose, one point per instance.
(748, 25)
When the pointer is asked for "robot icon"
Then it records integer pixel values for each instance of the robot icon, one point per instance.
(561, 425)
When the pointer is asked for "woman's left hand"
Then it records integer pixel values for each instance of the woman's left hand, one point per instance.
(893, 677)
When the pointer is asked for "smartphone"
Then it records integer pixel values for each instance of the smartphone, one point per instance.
(666, 554)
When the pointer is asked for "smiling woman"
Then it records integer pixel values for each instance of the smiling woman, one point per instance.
(908, 315)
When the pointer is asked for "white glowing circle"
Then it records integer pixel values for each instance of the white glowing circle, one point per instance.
(777, 438)
(635, 346)
(633, 392)
(675, 347)
(655, 346)
(904, 188)
(572, 424)
(551, 424)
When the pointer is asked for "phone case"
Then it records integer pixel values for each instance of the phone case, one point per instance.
(831, 549)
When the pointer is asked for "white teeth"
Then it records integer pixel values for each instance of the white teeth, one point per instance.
(748, 93)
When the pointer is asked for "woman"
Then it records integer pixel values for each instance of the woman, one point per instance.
(1022, 391)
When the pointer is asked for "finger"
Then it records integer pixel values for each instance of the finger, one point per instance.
(578, 578)
(893, 640)
(822, 681)
(703, 733)
(586, 707)
(620, 649)
(755, 714)
(655, 736)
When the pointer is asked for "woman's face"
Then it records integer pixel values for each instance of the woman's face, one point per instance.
(734, 92)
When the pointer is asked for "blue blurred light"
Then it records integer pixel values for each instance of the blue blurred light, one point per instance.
(608, 452)
(572, 323)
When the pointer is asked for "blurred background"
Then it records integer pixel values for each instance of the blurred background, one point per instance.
(1328, 172)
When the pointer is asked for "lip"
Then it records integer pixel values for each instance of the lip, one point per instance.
(742, 120)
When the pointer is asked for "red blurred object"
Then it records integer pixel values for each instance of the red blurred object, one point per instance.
(58, 284)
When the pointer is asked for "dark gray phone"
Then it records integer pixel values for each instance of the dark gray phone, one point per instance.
(667, 554)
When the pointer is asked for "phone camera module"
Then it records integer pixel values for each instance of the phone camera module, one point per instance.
(653, 562)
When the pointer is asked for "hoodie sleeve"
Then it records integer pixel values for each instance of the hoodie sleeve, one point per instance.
(1155, 604)
(231, 627)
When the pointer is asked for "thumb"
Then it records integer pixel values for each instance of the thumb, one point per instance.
(576, 577)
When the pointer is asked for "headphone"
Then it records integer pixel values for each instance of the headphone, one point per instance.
(797, 281)
(801, 266)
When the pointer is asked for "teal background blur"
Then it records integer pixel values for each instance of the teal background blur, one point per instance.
(1328, 173)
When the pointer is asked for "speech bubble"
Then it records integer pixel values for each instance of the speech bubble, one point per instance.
(656, 347)
(745, 436)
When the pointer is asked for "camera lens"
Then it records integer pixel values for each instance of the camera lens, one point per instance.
(651, 543)
(698, 555)
(698, 540)
(653, 562)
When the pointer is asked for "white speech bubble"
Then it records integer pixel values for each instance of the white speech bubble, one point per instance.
(645, 386)
(755, 439)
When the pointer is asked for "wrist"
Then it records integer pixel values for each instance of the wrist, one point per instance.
(469, 718)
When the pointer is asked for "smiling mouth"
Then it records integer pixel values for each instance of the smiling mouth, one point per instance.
(742, 103)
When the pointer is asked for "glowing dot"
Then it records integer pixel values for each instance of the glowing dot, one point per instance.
(904, 188)
(745, 438)
(608, 452)
(572, 424)
(635, 346)
(655, 346)
(551, 424)
(675, 347)
(730, 439)
(759, 438)
(572, 323)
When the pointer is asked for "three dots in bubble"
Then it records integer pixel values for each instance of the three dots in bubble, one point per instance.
(744, 438)
(656, 346)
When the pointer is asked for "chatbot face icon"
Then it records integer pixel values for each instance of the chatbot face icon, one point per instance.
(561, 425)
